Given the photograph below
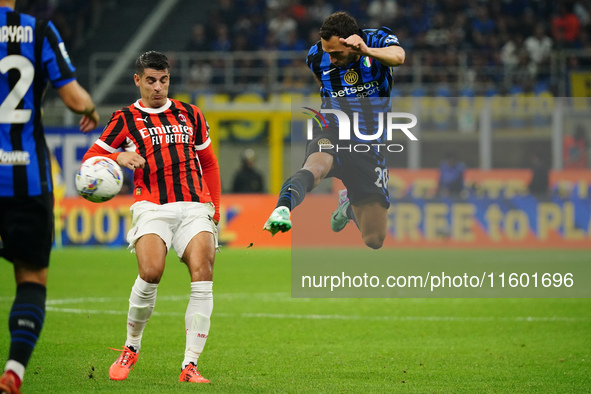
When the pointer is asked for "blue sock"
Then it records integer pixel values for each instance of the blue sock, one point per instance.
(26, 320)
(294, 189)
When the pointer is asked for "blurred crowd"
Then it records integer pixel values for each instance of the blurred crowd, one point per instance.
(420, 24)
(509, 42)
(502, 44)
(76, 20)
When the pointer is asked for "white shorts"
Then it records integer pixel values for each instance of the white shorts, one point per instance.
(176, 223)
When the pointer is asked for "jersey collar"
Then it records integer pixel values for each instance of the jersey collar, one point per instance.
(363, 35)
(166, 106)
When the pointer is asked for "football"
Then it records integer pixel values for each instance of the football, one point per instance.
(99, 179)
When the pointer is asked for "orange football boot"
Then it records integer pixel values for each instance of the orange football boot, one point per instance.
(9, 384)
(190, 374)
(121, 367)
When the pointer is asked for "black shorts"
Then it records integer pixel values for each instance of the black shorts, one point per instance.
(26, 229)
(364, 174)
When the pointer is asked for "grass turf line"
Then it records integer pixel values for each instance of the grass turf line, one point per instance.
(262, 340)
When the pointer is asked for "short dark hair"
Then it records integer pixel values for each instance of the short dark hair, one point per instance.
(339, 24)
(151, 59)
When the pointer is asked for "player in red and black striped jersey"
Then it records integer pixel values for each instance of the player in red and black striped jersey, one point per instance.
(174, 141)
(177, 190)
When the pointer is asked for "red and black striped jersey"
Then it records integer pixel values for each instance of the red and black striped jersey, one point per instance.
(170, 139)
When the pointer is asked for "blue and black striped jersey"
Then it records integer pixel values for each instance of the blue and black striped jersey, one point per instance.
(32, 53)
(363, 86)
(363, 78)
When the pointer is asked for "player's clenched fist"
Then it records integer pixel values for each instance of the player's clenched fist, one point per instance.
(356, 43)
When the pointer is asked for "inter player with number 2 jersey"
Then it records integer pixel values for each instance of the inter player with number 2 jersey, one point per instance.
(177, 191)
(353, 69)
(32, 54)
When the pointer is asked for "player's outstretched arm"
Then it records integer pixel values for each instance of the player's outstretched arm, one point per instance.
(130, 160)
(79, 101)
(391, 56)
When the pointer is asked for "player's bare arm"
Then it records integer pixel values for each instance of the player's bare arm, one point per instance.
(79, 101)
(391, 56)
(131, 160)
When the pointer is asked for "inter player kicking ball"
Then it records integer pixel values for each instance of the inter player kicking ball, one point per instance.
(346, 58)
(177, 193)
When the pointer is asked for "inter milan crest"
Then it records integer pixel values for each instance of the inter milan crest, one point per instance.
(351, 77)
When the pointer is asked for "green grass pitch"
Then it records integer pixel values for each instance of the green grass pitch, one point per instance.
(261, 340)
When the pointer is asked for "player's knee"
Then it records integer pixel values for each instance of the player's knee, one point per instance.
(26, 273)
(317, 172)
(319, 169)
(151, 275)
(374, 241)
(203, 275)
(203, 271)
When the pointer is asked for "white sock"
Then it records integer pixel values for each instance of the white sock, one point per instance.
(141, 306)
(16, 367)
(197, 320)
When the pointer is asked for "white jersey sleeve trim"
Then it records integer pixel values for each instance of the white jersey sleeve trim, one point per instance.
(106, 147)
(203, 145)
(129, 146)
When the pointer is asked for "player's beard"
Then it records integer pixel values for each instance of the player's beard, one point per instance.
(351, 58)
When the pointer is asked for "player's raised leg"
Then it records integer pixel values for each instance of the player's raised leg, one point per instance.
(372, 222)
(294, 190)
(151, 252)
(371, 217)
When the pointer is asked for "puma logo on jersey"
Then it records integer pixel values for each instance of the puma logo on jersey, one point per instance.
(144, 119)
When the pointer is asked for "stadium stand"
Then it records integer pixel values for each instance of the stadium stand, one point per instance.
(255, 48)
(454, 47)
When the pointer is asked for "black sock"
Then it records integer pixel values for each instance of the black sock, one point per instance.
(26, 320)
(294, 189)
